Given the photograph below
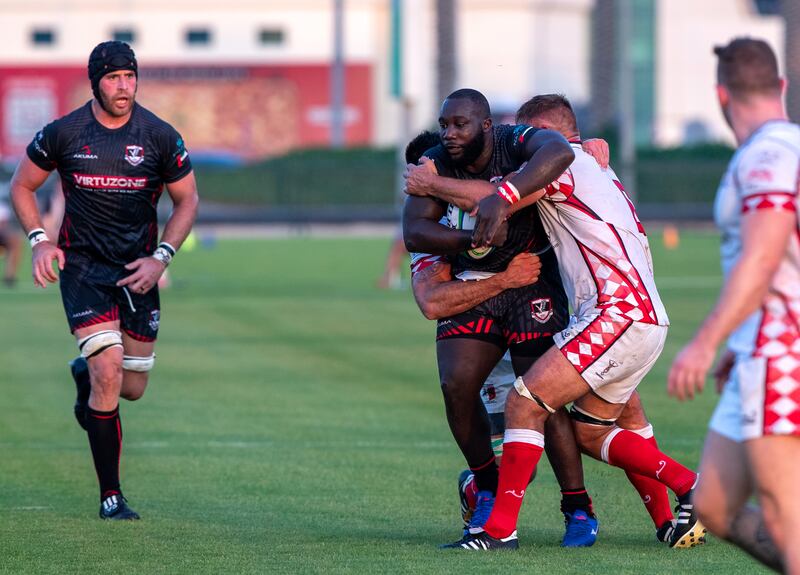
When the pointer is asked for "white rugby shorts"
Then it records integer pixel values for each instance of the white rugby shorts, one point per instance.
(761, 397)
(612, 353)
(495, 390)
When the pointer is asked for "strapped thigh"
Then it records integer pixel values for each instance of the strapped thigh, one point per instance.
(583, 416)
(522, 389)
(98, 342)
(140, 364)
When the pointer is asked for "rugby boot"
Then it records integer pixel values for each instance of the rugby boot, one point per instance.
(466, 495)
(581, 529)
(688, 530)
(664, 532)
(80, 373)
(475, 508)
(482, 541)
(115, 508)
(484, 502)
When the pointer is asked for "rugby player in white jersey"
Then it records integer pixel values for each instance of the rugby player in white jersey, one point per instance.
(752, 445)
(616, 333)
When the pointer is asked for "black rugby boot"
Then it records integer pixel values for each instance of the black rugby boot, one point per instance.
(115, 508)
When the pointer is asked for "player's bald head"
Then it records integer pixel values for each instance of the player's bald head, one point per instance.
(747, 67)
(553, 109)
(476, 101)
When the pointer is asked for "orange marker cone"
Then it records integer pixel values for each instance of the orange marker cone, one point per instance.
(672, 237)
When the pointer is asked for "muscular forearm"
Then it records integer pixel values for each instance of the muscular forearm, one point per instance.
(422, 235)
(549, 162)
(472, 192)
(452, 297)
(462, 193)
(765, 237)
(26, 180)
(24, 202)
(181, 221)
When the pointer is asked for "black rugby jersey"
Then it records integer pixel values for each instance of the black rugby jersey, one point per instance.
(525, 230)
(112, 180)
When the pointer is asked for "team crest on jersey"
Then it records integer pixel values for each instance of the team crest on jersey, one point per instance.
(155, 316)
(542, 309)
(134, 155)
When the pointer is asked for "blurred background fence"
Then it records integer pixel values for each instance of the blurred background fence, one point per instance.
(325, 185)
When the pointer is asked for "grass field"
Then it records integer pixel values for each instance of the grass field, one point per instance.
(294, 425)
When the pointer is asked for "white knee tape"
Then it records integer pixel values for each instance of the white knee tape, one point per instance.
(142, 364)
(519, 385)
(98, 342)
(646, 432)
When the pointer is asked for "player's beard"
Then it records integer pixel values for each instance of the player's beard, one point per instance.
(472, 150)
(107, 103)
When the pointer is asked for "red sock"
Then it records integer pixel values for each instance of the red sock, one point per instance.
(634, 453)
(653, 493)
(519, 461)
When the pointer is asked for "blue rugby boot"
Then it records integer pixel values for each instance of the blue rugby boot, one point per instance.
(581, 529)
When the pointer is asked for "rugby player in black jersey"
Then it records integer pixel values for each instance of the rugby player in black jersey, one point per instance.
(522, 320)
(114, 157)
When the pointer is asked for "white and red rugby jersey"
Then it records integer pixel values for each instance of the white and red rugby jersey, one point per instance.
(602, 249)
(763, 175)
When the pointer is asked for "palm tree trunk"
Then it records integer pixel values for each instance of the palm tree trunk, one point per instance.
(446, 57)
(603, 66)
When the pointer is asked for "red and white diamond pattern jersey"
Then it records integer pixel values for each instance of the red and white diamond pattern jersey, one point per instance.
(762, 175)
(778, 342)
(602, 249)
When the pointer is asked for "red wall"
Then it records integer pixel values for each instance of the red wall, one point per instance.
(248, 112)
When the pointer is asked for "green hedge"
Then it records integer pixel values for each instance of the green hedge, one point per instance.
(316, 178)
(680, 175)
(305, 178)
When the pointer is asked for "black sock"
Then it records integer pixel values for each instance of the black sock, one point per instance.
(105, 438)
(486, 476)
(574, 499)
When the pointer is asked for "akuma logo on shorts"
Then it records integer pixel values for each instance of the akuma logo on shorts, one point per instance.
(82, 314)
(100, 182)
(542, 309)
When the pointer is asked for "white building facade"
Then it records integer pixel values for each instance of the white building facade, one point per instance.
(251, 78)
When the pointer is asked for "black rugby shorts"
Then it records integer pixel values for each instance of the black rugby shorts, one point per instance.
(90, 296)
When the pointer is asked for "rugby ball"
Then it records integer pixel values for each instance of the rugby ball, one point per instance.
(458, 219)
